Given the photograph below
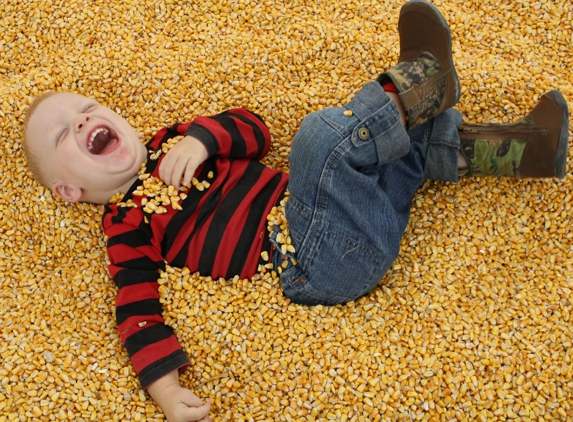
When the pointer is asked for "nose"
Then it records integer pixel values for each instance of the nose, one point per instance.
(81, 121)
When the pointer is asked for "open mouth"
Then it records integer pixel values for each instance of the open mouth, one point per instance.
(101, 140)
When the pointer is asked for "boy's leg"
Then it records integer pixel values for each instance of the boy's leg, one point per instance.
(352, 179)
(342, 225)
(433, 154)
(354, 169)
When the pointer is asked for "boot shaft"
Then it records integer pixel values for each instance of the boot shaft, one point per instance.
(425, 75)
(535, 146)
(517, 150)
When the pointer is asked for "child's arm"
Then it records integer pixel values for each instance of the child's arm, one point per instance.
(155, 353)
(236, 133)
(178, 403)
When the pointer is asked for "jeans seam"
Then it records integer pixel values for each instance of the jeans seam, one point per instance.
(303, 288)
(443, 142)
(336, 127)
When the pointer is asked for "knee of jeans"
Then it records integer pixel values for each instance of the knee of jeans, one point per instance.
(305, 135)
(316, 137)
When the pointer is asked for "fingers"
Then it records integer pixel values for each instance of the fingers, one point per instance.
(189, 173)
(194, 413)
(177, 171)
(181, 162)
(190, 399)
(200, 413)
(197, 409)
(165, 170)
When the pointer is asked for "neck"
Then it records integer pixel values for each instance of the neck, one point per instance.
(103, 197)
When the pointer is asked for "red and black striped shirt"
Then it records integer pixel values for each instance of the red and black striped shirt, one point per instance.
(220, 231)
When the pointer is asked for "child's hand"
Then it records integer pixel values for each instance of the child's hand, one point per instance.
(178, 403)
(181, 405)
(181, 161)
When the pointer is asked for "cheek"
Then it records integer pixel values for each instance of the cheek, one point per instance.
(65, 156)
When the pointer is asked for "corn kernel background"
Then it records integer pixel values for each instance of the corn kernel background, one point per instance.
(473, 322)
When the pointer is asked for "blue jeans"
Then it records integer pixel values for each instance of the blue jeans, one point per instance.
(352, 179)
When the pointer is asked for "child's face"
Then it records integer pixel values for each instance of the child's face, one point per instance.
(91, 151)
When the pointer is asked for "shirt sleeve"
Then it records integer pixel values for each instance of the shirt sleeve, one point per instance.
(236, 133)
(134, 266)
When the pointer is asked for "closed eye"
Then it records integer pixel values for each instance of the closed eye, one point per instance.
(61, 135)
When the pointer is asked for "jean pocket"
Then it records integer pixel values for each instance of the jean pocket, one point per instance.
(344, 269)
(348, 266)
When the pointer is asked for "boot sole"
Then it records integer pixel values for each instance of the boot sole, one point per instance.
(434, 12)
(561, 155)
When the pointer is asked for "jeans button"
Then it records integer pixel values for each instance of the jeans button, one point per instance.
(363, 133)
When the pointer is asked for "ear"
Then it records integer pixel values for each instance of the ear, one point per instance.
(66, 192)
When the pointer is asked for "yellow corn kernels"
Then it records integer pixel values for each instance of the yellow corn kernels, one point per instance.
(474, 321)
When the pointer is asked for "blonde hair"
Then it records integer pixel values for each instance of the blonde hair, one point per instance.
(36, 165)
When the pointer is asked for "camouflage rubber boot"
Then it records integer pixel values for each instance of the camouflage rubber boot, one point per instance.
(425, 74)
(535, 146)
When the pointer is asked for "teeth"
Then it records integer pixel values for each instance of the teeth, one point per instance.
(94, 134)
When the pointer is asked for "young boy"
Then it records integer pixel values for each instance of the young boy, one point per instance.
(203, 202)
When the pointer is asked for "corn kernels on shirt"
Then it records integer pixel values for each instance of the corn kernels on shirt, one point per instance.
(220, 231)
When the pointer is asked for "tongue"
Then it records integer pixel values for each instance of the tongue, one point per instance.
(101, 140)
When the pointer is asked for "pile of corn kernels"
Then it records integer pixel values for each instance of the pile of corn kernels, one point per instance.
(473, 322)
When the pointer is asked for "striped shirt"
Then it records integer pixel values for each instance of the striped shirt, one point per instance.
(220, 231)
